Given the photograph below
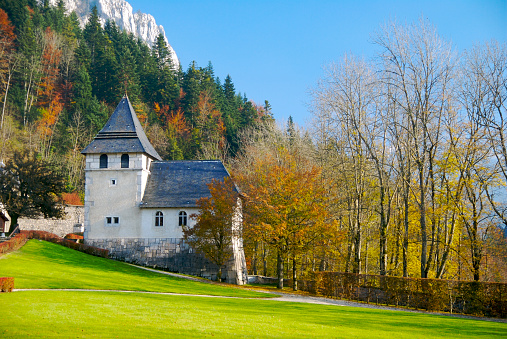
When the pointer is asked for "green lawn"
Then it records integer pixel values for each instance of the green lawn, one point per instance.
(135, 315)
(40, 264)
(85, 314)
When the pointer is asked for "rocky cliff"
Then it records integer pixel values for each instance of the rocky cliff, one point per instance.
(120, 11)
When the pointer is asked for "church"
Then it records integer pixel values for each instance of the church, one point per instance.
(136, 204)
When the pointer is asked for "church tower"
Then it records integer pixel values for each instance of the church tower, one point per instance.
(117, 168)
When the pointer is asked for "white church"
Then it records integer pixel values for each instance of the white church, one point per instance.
(136, 204)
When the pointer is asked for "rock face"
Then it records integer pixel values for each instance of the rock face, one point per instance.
(120, 11)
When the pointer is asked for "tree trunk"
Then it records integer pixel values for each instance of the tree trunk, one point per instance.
(422, 220)
(264, 261)
(219, 274)
(279, 269)
(14, 222)
(294, 275)
(357, 251)
(254, 261)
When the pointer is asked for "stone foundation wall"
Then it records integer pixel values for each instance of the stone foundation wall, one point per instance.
(74, 216)
(172, 254)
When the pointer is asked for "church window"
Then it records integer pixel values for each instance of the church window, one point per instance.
(125, 161)
(159, 219)
(183, 218)
(103, 161)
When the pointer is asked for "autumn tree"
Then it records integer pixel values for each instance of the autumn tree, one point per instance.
(30, 187)
(286, 205)
(218, 223)
(347, 99)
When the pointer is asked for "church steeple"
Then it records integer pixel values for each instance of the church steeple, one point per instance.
(122, 133)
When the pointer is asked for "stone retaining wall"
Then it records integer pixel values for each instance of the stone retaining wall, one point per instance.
(74, 216)
(172, 254)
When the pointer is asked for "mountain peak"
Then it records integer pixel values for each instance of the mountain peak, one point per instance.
(140, 24)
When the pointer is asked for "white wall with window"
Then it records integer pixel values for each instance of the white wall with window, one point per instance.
(166, 222)
(115, 184)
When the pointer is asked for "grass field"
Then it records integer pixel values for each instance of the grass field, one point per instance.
(40, 264)
(85, 314)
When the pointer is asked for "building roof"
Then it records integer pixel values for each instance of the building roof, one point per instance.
(180, 183)
(122, 133)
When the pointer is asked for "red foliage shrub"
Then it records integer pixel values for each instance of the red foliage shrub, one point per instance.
(21, 238)
(72, 199)
(43, 235)
(6, 284)
(13, 244)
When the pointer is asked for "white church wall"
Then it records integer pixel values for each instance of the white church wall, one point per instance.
(113, 194)
(171, 228)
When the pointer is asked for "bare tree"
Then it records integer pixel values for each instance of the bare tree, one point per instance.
(342, 102)
(484, 96)
(418, 66)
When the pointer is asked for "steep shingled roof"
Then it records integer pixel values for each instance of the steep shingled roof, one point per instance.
(122, 133)
(180, 183)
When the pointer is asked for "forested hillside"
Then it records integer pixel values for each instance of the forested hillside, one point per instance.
(60, 83)
(402, 171)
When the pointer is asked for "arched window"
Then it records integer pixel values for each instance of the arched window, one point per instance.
(103, 161)
(183, 218)
(125, 161)
(159, 219)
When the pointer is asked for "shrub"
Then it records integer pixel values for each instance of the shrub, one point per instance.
(13, 244)
(43, 235)
(6, 284)
(72, 199)
(467, 297)
(16, 242)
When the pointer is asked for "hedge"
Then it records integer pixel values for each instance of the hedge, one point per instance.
(466, 297)
(21, 238)
(6, 284)
(13, 244)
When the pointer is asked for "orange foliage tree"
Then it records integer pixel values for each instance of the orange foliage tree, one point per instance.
(209, 120)
(218, 223)
(50, 102)
(286, 206)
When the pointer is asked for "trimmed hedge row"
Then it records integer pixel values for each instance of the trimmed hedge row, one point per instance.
(6, 284)
(466, 297)
(13, 244)
(43, 235)
(21, 238)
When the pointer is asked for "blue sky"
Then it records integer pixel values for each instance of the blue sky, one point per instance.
(275, 50)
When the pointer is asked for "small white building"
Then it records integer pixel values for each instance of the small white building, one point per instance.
(136, 204)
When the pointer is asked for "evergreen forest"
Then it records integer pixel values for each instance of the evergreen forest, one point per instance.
(60, 83)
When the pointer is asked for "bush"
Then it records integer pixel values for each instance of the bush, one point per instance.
(21, 238)
(13, 244)
(6, 284)
(43, 235)
(467, 297)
